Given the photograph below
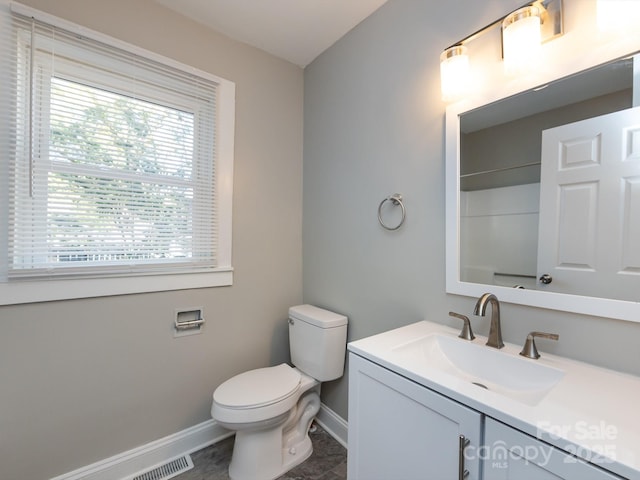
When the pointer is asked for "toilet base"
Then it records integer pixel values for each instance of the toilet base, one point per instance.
(294, 456)
(266, 454)
(260, 456)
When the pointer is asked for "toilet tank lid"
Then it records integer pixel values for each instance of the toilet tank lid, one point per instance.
(317, 316)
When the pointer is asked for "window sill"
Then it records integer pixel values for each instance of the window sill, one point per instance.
(50, 290)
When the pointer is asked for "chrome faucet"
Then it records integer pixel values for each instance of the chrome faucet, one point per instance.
(495, 332)
(466, 333)
(529, 350)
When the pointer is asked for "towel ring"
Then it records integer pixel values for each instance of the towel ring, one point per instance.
(396, 199)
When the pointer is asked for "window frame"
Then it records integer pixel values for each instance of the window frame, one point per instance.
(29, 290)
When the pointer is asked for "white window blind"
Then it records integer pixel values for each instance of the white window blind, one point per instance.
(112, 159)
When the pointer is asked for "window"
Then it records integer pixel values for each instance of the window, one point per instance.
(117, 165)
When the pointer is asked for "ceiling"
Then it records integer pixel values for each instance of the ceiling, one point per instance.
(295, 30)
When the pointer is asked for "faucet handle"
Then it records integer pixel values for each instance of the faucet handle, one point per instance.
(466, 332)
(529, 350)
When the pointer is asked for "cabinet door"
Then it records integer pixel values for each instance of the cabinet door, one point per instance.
(509, 454)
(403, 431)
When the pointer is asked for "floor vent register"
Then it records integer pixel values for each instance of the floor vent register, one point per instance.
(167, 470)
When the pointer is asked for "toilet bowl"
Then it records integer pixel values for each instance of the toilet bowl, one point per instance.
(271, 408)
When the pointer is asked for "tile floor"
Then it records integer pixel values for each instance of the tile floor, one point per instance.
(327, 462)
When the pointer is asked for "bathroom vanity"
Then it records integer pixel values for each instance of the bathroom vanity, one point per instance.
(424, 403)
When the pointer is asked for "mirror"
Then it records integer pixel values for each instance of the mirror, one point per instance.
(547, 182)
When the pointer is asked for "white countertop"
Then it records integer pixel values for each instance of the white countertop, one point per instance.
(592, 412)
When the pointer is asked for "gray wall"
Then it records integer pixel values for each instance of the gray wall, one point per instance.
(83, 380)
(373, 126)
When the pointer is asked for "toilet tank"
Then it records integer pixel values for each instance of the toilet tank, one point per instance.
(317, 341)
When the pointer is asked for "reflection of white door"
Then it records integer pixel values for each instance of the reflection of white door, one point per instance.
(589, 234)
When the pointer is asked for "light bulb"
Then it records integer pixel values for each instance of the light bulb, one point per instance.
(521, 41)
(454, 72)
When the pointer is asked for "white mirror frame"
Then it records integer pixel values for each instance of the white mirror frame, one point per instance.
(602, 307)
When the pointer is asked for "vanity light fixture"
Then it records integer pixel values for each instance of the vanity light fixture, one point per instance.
(523, 31)
(521, 40)
(454, 72)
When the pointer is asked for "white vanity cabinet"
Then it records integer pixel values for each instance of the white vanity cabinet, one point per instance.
(509, 454)
(415, 389)
(401, 430)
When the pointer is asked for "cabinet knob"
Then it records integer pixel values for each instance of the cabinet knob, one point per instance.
(546, 279)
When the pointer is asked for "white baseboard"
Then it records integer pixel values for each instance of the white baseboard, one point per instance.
(334, 424)
(133, 462)
(140, 459)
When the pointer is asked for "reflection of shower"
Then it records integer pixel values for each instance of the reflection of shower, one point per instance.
(514, 280)
(499, 235)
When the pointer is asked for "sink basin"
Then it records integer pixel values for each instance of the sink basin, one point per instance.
(498, 371)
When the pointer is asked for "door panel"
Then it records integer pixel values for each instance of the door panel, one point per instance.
(590, 206)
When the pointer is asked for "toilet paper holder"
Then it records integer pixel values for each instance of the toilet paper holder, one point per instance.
(187, 325)
(188, 321)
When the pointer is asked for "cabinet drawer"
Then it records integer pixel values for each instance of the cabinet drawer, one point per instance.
(509, 454)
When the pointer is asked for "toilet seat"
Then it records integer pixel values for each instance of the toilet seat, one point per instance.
(256, 395)
(258, 388)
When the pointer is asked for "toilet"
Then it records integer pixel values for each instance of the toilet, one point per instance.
(271, 409)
